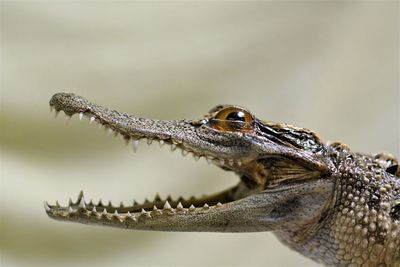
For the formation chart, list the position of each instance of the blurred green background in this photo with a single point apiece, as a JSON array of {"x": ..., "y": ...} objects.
[{"x": 329, "y": 66}]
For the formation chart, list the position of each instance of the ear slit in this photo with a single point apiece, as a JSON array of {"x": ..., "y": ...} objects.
[{"x": 394, "y": 169}]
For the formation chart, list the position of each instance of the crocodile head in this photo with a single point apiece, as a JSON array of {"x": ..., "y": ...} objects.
[{"x": 285, "y": 180}]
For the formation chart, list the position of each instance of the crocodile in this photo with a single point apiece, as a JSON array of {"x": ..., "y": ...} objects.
[{"x": 333, "y": 205}]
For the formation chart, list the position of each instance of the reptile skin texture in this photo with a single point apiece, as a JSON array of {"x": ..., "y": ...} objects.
[{"x": 335, "y": 206}]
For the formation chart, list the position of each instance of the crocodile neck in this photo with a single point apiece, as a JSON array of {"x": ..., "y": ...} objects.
[{"x": 360, "y": 226}]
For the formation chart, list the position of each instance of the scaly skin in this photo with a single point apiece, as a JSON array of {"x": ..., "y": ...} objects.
[{"x": 333, "y": 205}]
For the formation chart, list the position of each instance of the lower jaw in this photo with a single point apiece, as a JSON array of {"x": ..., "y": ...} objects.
[{"x": 217, "y": 199}]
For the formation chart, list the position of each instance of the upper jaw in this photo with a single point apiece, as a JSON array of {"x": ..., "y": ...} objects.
[
  {"x": 192, "y": 137},
  {"x": 235, "y": 151},
  {"x": 228, "y": 149}
]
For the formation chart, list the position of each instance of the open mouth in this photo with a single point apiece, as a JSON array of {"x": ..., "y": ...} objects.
[
  {"x": 230, "y": 137},
  {"x": 110, "y": 121}
]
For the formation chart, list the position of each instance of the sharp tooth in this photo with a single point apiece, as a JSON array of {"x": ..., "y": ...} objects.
[
  {"x": 208, "y": 160},
  {"x": 149, "y": 141},
  {"x": 82, "y": 203},
  {"x": 143, "y": 211},
  {"x": 110, "y": 131},
  {"x": 192, "y": 208},
  {"x": 67, "y": 119},
  {"x": 92, "y": 119},
  {"x": 239, "y": 163},
  {"x": 157, "y": 198},
  {"x": 70, "y": 202},
  {"x": 121, "y": 205},
  {"x": 219, "y": 204},
  {"x": 135, "y": 145},
  {"x": 128, "y": 214},
  {"x": 115, "y": 213},
  {"x": 179, "y": 206},
  {"x": 222, "y": 162},
  {"x": 173, "y": 147},
  {"x": 46, "y": 206},
  {"x": 51, "y": 108},
  {"x": 206, "y": 207},
  {"x": 184, "y": 152},
  {"x": 80, "y": 196},
  {"x": 70, "y": 210},
  {"x": 231, "y": 162},
  {"x": 155, "y": 207},
  {"x": 127, "y": 139},
  {"x": 94, "y": 209},
  {"x": 58, "y": 204},
  {"x": 161, "y": 142},
  {"x": 175, "y": 142},
  {"x": 167, "y": 205},
  {"x": 56, "y": 113},
  {"x": 105, "y": 211},
  {"x": 196, "y": 157},
  {"x": 80, "y": 116}
]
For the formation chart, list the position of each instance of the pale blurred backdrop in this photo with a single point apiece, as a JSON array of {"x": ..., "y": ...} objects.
[{"x": 332, "y": 67}]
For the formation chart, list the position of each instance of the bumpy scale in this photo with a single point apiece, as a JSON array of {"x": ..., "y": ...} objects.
[{"x": 333, "y": 205}]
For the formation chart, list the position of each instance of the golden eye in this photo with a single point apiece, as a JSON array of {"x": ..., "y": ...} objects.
[
  {"x": 234, "y": 114},
  {"x": 232, "y": 119}
]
